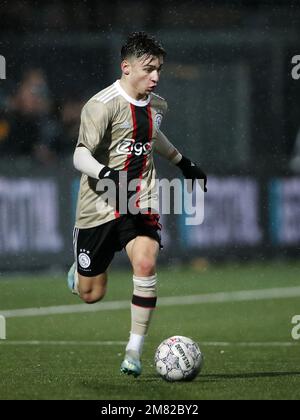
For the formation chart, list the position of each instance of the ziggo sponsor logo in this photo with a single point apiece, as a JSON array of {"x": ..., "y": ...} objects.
[{"x": 130, "y": 147}]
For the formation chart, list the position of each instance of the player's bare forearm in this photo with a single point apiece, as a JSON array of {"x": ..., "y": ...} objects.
[
  {"x": 166, "y": 149},
  {"x": 189, "y": 169}
]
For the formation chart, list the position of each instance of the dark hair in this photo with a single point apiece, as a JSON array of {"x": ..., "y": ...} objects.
[{"x": 139, "y": 44}]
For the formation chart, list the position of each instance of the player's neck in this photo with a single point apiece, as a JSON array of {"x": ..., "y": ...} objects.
[{"x": 131, "y": 91}]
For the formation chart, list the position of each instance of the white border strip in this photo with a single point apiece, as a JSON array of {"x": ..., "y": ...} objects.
[
  {"x": 64, "y": 343},
  {"x": 239, "y": 296},
  {"x": 123, "y": 343}
]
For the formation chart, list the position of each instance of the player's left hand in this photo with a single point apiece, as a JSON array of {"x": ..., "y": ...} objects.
[{"x": 192, "y": 171}]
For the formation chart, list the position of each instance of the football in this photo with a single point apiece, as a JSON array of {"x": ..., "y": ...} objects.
[{"x": 178, "y": 358}]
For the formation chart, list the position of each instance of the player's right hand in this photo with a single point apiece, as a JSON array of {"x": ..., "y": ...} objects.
[
  {"x": 112, "y": 175},
  {"x": 109, "y": 173}
]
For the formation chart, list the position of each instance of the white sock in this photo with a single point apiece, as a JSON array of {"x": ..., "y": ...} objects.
[{"x": 136, "y": 343}]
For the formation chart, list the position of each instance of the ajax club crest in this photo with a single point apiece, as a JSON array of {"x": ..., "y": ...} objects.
[
  {"x": 84, "y": 259},
  {"x": 157, "y": 121}
]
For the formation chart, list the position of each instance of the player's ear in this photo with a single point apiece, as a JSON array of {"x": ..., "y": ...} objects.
[{"x": 125, "y": 66}]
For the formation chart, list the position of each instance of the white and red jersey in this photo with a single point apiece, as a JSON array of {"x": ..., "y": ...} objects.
[{"x": 120, "y": 132}]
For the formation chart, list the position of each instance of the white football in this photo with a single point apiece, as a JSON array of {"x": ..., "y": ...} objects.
[{"x": 178, "y": 358}]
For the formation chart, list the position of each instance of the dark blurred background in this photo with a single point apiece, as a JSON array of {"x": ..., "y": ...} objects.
[{"x": 233, "y": 107}]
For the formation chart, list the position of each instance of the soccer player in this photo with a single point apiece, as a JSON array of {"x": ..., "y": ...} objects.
[{"x": 119, "y": 132}]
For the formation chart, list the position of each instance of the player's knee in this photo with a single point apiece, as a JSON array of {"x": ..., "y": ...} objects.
[
  {"x": 144, "y": 266},
  {"x": 93, "y": 296}
]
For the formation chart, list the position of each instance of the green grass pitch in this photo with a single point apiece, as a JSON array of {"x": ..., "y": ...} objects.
[{"x": 248, "y": 346}]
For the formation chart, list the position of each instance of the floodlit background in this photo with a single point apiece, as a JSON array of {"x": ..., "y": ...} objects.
[
  {"x": 231, "y": 82},
  {"x": 233, "y": 107}
]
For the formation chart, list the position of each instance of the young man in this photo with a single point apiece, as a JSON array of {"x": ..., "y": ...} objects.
[{"x": 119, "y": 133}]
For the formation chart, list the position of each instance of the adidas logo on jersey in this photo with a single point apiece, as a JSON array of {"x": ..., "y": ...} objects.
[{"x": 125, "y": 125}]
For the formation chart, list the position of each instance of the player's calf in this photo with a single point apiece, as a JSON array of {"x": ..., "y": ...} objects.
[
  {"x": 89, "y": 289},
  {"x": 92, "y": 289},
  {"x": 142, "y": 306},
  {"x": 93, "y": 296}
]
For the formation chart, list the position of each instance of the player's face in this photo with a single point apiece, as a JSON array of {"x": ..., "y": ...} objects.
[{"x": 144, "y": 74}]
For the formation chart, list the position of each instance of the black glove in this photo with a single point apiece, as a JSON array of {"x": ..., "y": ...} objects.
[
  {"x": 113, "y": 175},
  {"x": 108, "y": 173},
  {"x": 120, "y": 180},
  {"x": 191, "y": 171}
]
